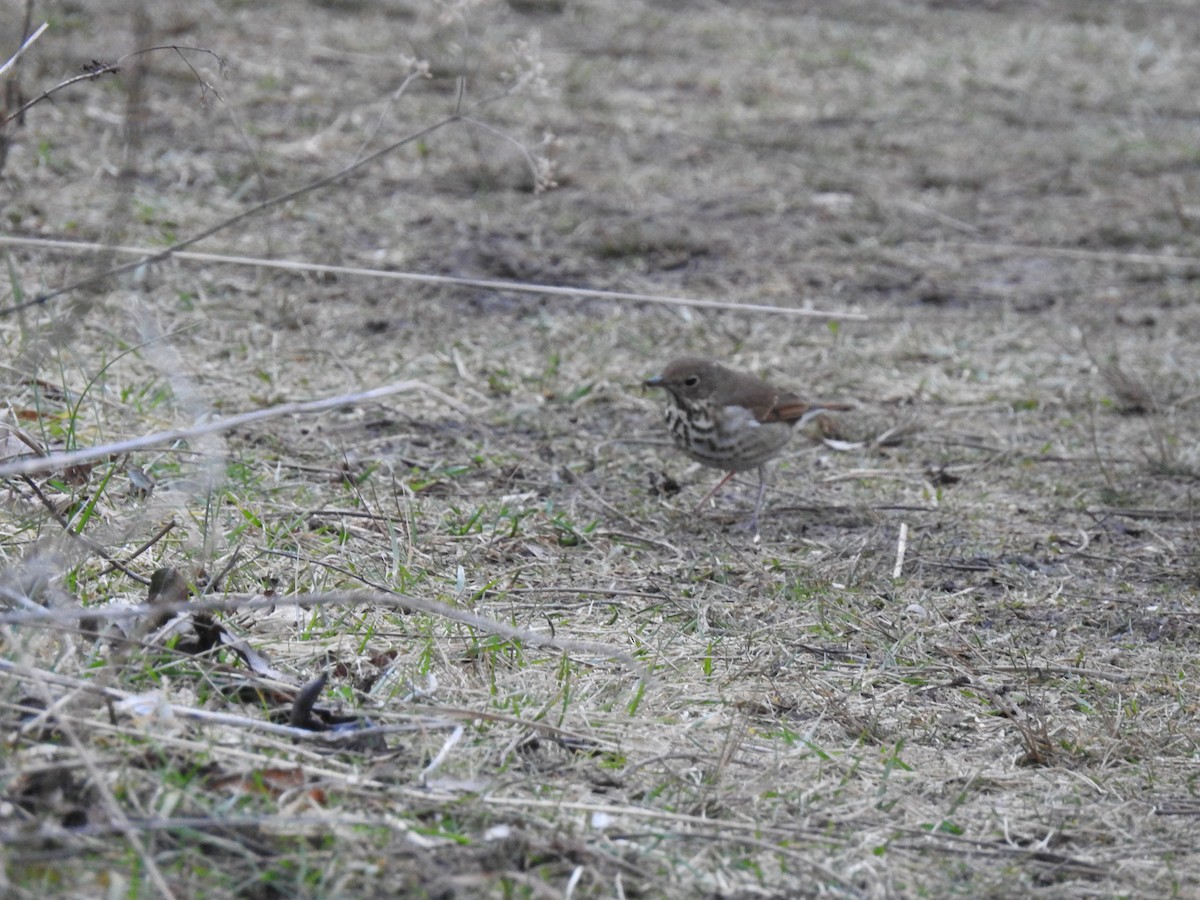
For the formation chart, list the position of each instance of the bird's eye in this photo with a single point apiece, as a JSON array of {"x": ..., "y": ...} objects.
[{"x": 691, "y": 381}]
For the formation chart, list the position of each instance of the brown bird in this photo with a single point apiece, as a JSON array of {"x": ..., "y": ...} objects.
[{"x": 730, "y": 420}]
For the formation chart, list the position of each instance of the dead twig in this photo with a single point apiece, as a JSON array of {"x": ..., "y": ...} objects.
[
  {"x": 494, "y": 284},
  {"x": 60, "y": 460},
  {"x": 12, "y": 61},
  {"x": 243, "y": 603}
]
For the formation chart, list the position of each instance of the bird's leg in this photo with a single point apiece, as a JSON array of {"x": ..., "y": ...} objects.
[
  {"x": 762, "y": 492},
  {"x": 751, "y": 524},
  {"x": 720, "y": 484}
]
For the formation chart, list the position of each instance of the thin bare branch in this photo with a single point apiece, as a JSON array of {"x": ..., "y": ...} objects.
[
  {"x": 61, "y": 460},
  {"x": 12, "y": 60},
  {"x": 421, "y": 278}
]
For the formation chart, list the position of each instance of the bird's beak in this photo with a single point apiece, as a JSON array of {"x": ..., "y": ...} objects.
[{"x": 656, "y": 381}]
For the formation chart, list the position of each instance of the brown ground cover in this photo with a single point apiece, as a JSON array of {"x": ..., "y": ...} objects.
[{"x": 961, "y": 660}]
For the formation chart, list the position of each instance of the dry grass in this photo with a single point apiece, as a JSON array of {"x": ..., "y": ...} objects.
[{"x": 545, "y": 675}]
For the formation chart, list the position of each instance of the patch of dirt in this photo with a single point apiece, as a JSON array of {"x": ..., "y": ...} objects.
[{"x": 960, "y": 659}]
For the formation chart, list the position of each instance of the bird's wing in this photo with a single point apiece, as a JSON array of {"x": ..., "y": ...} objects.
[{"x": 790, "y": 408}]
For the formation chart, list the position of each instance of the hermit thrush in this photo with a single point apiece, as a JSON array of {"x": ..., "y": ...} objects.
[{"x": 730, "y": 420}]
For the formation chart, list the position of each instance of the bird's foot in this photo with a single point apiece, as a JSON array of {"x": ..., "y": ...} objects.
[{"x": 750, "y": 525}]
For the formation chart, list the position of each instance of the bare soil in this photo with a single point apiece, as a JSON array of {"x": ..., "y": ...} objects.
[{"x": 961, "y": 660}]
